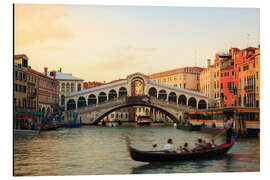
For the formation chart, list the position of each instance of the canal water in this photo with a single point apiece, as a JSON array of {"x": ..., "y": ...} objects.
[{"x": 102, "y": 150}]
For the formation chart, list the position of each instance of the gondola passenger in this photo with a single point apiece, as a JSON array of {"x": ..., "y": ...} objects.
[
  {"x": 186, "y": 148},
  {"x": 200, "y": 145},
  {"x": 169, "y": 147}
]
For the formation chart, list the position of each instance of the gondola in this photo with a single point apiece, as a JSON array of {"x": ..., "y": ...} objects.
[{"x": 165, "y": 156}]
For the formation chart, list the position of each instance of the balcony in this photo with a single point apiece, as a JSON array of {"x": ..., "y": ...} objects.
[
  {"x": 249, "y": 88},
  {"x": 32, "y": 95}
]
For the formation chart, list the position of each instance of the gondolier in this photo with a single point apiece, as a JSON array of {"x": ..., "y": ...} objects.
[{"x": 228, "y": 128}]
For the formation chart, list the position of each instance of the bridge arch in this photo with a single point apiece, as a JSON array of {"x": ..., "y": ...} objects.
[
  {"x": 102, "y": 97},
  {"x": 202, "y": 104},
  {"x": 152, "y": 92},
  {"x": 112, "y": 94},
  {"x": 192, "y": 102},
  {"x": 71, "y": 105},
  {"x": 172, "y": 97},
  {"x": 182, "y": 100},
  {"x": 122, "y": 91},
  {"x": 170, "y": 115},
  {"x": 92, "y": 99},
  {"x": 162, "y": 94},
  {"x": 81, "y": 102}
]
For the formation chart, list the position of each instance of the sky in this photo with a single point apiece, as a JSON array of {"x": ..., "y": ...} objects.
[{"x": 105, "y": 43}]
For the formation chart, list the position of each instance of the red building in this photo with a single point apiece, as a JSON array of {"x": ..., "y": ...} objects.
[
  {"x": 237, "y": 74},
  {"x": 227, "y": 86},
  {"x": 48, "y": 91}
]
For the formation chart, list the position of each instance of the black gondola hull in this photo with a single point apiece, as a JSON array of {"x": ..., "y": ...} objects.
[{"x": 163, "y": 156}]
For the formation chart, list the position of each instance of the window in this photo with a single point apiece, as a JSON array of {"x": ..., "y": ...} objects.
[
  {"x": 257, "y": 76},
  {"x": 184, "y": 85},
  {"x": 221, "y": 86},
  {"x": 116, "y": 116},
  {"x": 232, "y": 73}
]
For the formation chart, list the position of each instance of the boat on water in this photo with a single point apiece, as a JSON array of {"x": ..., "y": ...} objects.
[
  {"x": 25, "y": 131},
  {"x": 144, "y": 120},
  {"x": 165, "y": 156}
]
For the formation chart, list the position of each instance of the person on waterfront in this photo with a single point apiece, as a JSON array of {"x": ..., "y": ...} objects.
[
  {"x": 186, "y": 148},
  {"x": 228, "y": 128},
  {"x": 169, "y": 147}
]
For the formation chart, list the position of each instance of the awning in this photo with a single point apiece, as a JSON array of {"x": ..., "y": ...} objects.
[
  {"x": 29, "y": 113},
  {"x": 55, "y": 107}
]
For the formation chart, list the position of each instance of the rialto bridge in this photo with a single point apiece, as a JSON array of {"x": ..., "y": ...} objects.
[{"x": 137, "y": 90}]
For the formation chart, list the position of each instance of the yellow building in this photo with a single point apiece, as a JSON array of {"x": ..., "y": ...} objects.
[
  {"x": 207, "y": 82},
  {"x": 187, "y": 78},
  {"x": 20, "y": 89}
]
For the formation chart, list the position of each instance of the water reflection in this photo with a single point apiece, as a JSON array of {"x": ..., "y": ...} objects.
[{"x": 96, "y": 150}]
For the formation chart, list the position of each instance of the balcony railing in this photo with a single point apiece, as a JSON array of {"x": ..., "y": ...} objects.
[
  {"x": 32, "y": 95},
  {"x": 249, "y": 88}
]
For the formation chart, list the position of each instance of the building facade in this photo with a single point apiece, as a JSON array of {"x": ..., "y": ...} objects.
[
  {"x": 257, "y": 75},
  {"x": 207, "y": 82},
  {"x": 186, "y": 78},
  {"x": 48, "y": 92},
  {"x": 20, "y": 83},
  {"x": 67, "y": 84}
]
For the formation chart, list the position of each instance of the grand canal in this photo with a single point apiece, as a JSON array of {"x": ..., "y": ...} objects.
[{"x": 102, "y": 150}]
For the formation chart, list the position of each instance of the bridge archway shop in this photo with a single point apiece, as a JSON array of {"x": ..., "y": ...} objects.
[{"x": 171, "y": 116}]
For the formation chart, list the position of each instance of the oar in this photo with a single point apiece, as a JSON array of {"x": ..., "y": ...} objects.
[{"x": 219, "y": 134}]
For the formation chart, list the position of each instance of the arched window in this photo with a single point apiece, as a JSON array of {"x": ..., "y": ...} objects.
[
  {"x": 79, "y": 87},
  {"x": 122, "y": 91},
  {"x": 63, "y": 87},
  {"x": 162, "y": 94},
  {"x": 92, "y": 99},
  {"x": 68, "y": 87},
  {"x": 182, "y": 100},
  {"x": 71, "y": 104},
  {"x": 81, "y": 102},
  {"x": 202, "y": 104},
  {"x": 192, "y": 102},
  {"x": 112, "y": 94},
  {"x": 102, "y": 97},
  {"x": 72, "y": 87},
  {"x": 172, "y": 97},
  {"x": 152, "y": 92}
]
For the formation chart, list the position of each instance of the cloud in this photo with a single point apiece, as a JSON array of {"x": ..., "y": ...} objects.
[
  {"x": 118, "y": 62},
  {"x": 39, "y": 23},
  {"x": 145, "y": 49},
  {"x": 131, "y": 48}
]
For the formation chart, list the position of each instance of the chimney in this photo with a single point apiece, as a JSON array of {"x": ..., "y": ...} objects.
[
  {"x": 208, "y": 63},
  {"x": 60, "y": 70},
  {"x": 54, "y": 75},
  {"x": 45, "y": 71}
]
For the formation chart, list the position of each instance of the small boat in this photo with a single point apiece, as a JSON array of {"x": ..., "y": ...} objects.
[
  {"x": 144, "y": 120},
  {"x": 165, "y": 156},
  {"x": 26, "y": 131}
]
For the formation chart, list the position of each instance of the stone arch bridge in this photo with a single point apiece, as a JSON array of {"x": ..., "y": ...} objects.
[{"x": 136, "y": 90}]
